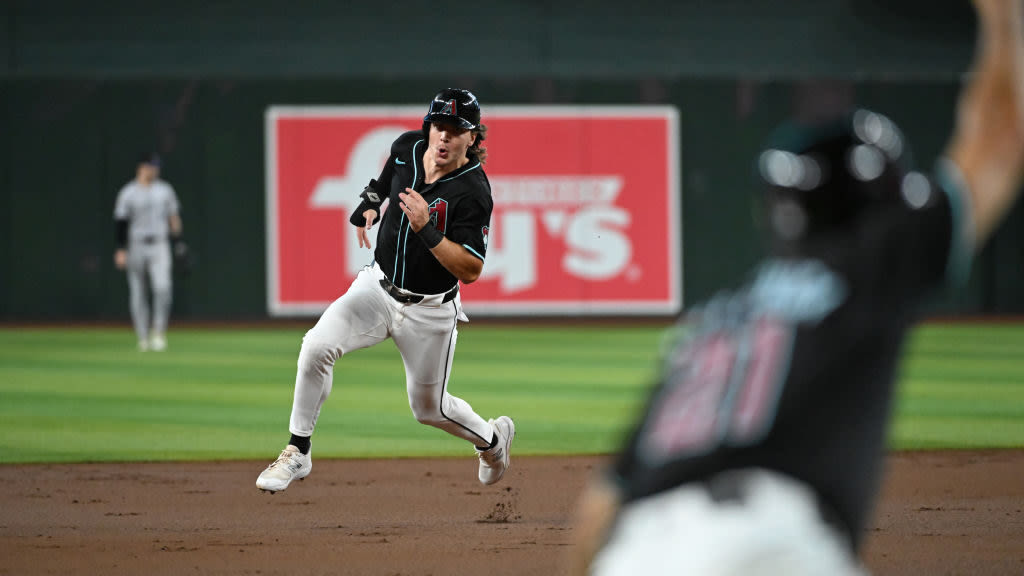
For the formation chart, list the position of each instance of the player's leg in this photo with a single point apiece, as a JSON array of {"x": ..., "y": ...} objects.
[
  {"x": 426, "y": 338},
  {"x": 160, "y": 274},
  {"x": 135, "y": 269},
  {"x": 356, "y": 320}
]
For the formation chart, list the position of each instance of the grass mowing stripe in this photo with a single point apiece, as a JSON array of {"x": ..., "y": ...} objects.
[{"x": 85, "y": 394}]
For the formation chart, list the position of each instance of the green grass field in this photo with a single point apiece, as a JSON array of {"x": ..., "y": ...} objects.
[{"x": 85, "y": 394}]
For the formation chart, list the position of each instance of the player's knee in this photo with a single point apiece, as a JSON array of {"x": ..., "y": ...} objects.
[
  {"x": 317, "y": 356},
  {"x": 426, "y": 414}
]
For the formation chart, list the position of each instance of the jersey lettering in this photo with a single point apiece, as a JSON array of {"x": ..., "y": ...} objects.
[
  {"x": 722, "y": 389},
  {"x": 759, "y": 396},
  {"x": 688, "y": 416}
]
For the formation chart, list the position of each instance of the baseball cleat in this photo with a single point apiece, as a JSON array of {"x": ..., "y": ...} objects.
[
  {"x": 494, "y": 461},
  {"x": 290, "y": 465}
]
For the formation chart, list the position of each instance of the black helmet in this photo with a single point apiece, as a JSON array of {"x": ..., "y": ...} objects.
[
  {"x": 454, "y": 106},
  {"x": 823, "y": 176}
]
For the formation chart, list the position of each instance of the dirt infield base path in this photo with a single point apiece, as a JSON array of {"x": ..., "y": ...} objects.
[{"x": 941, "y": 513}]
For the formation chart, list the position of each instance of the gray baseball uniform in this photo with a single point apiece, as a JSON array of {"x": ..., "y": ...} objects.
[{"x": 148, "y": 209}]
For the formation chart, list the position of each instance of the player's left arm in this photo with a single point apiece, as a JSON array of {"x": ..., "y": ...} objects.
[
  {"x": 179, "y": 249},
  {"x": 176, "y": 226},
  {"x": 174, "y": 213}
]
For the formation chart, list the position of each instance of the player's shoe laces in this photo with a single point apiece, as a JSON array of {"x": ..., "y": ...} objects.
[
  {"x": 290, "y": 465},
  {"x": 494, "y": 461}
]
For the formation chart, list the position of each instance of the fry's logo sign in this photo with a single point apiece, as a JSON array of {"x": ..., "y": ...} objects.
[{"x": 586, "y": 207}]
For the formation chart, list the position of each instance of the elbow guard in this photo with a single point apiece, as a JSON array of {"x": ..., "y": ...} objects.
[{"x": 372, "y": 199}]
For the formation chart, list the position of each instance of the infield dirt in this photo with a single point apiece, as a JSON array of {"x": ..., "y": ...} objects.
[{"x": 940, "y": 513}]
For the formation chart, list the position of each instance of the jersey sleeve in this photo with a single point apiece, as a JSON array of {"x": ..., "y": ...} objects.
[
  {"x": 951, "y": 181},
  {"x": 121, "y": 209},
  {"x": 471, "y": 226},
  {"x": 377, "y": 191}
]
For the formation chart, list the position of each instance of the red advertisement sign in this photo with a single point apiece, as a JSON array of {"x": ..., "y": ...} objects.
[{"x": 586, "y": 207}]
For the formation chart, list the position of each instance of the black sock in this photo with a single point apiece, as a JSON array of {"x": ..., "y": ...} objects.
[
  {"x": 494, "y": 442},
  {"x": 300, "y": 442}
]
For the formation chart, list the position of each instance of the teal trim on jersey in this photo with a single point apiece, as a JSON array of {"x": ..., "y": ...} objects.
[
  {"x": 405, "y": 249},
  {"x": 961, "y": 250},
  {"x": 473, "y": 252},
  {"x": 397, "y": 161},
  {"x": 398, "y": 250},
  {"x": 460, "y": 173},
  {"x": 415, "y": 166},
  {"x": 403, "y": 239}
]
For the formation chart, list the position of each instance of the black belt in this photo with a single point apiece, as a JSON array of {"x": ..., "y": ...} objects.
[
  {"x": 407, "y": 298},
  {"x": 151, "y": 239}
]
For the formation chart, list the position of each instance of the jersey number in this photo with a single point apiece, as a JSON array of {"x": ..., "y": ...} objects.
[{"x": 721, "y": 390}]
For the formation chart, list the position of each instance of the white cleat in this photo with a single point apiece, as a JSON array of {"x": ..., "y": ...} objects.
[
  {"x": 158, "y": 343},
  {"x": 290, "y": 465},
  {"x": 143, "y": 345},
  {"x": 495, "y": 461}
]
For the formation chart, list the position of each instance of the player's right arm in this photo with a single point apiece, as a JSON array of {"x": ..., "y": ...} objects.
[
  {"x": 988, "y": 141},
  {"x": 368, "y": 210},
  {"x": 122, "y": 214},
  {"x": 363, "y": 232}
]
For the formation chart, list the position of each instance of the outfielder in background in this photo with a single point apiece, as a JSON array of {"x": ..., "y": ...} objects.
[
  {"x": 761, "y": 450},
  {"x": 147, "y": 221},
  {"x": 433, "y": 236}
]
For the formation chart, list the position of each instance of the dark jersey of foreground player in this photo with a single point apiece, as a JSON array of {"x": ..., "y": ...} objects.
[
  {"x": 460, "y": 208},
  {"x": 795, "y": 371}
]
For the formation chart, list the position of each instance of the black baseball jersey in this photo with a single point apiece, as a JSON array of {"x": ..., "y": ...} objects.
[
  {"x": 460, "y": 207},
  {"x": 794, "y": 372}
]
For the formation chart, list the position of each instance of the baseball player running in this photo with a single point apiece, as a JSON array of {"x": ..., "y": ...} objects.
[
  {"x": 761, "y": 450},
  {"x": 147, "y": 219},
  {"x": 433, "y": 235}
]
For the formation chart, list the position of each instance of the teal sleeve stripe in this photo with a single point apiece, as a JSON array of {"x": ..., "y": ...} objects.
[
  {"x": 961, "y": 250},
  {"x": 473, "y": 252}
]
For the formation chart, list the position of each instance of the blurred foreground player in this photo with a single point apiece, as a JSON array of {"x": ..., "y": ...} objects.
[{"x": 761, "y": 449}]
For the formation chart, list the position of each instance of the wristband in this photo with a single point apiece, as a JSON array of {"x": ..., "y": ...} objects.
[{"x": 431, "y": 236}]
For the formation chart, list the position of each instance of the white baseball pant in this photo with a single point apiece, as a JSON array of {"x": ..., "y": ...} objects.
[
  {"x": 149, "y": 265},
  {"x": 425, "y": 335},
  {"x": 776, "y": 530}
]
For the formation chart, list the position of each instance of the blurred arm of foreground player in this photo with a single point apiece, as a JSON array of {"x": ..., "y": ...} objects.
[
  {"x": 595, "y": 512},
  {"x": 988, "y": 140}
]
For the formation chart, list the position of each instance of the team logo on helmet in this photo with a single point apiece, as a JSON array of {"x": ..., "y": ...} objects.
[{"x": 449, "y": 108}]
